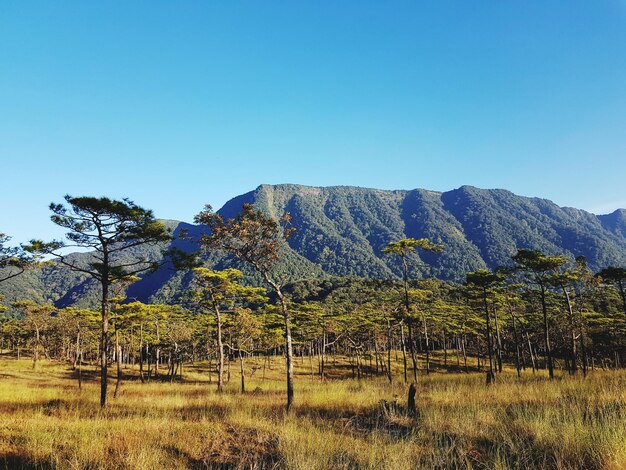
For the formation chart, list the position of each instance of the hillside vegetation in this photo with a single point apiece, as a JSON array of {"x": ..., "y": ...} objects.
[{"x": 343, "y": 230}]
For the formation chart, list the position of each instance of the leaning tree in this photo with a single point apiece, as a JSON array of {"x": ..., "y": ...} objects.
[
  {"x": 260, "y": 241},
  {"x": 111, "y": 230}
]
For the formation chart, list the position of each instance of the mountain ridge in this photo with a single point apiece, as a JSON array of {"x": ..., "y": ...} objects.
[{"x": 342, "y": 230}]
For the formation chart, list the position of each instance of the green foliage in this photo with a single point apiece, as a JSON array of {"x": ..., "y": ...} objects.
[
  {"x": 223, "y": 288},
  {"x": 13, "y": 260},
  {"x": 108, "y": 227},
  {"x": 408, "y": 245},
  {"x": 342, "y": 231}
]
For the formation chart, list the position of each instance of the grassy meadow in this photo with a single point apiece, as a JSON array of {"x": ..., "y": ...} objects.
[{"x": 47, "y": 422}]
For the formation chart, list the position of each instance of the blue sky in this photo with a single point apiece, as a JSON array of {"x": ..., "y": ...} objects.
[{"x": 178, "y": 104}]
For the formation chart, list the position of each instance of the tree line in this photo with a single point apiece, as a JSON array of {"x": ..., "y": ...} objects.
[{"x": 540, "y": 312}]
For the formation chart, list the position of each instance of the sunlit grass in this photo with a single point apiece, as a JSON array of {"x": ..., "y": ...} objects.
[{"x": 46, "y": 422}]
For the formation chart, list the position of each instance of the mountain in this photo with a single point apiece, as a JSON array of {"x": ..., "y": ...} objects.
[
  {"x": 342, "y": 230},
  {"x": 615, "y": 222}
]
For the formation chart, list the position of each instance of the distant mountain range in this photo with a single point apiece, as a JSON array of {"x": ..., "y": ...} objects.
[{"x": 342, "y": 230}]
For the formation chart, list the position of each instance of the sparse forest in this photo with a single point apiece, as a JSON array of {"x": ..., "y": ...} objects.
[
  {"x": 324, "y": 235},
  {"x": 520, "y": 366}
]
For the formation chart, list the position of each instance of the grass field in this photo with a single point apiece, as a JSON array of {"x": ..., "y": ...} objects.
[{"x": 46, "y": 422}]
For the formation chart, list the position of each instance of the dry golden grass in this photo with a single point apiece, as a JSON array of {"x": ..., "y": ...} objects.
[{"x": 46, "y": 422}]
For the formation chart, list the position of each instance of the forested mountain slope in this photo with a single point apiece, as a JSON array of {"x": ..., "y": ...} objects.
[{"x": 342, "y": 231}]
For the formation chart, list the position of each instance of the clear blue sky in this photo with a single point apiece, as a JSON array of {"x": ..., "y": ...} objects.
[{"x": 178, "y": 104}]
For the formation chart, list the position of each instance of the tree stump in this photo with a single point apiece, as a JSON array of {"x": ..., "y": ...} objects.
[
  {"x": 411, "y": 402},
  {"x": 490, "y": 378}
]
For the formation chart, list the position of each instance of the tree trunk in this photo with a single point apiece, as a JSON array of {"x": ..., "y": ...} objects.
[
  {"x": 498, "y": 339},
  {"x": 149, "y": 361},
  {"x": 570, "y": 311},
  {"x": 141, "y": 353},
  {"x": 403, "y": 352},
  {"x": 78, "y": 361},
  {"x": 210, "y": 358},
  {"x": 242, "y": 371},
  {"x": 311, "y": 359},
  {"x": 220, "y": 347},
  {"x": 389, "y": 375},
  {"x": 228, "y": 366},
  {"x": 36, "y": 349},
  {"x": 80, "y": 370},
  {"x": 490, "y": 374},
  {"x": 412, "y": 350},
  {"x": 409, "y": 321},
  {"x": 323, "y": 362},
  {"x": 75, "y": 364},
  {"x": 518, "y": 363},
  {"x": 104, "y": 338},
  {"x": 583, "y": 349},
  {"x": 426, "y": 343},
  {"x": 288, "y": 347},
  {"x": 157, "y": 353},
  {"x": 445, "y": 350},
  {"x": 118, "y": 357},
  {"x": 463, "y": 340},
  {"x": 546, "y": 332},
  {"x": 530, "y": 351}
]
